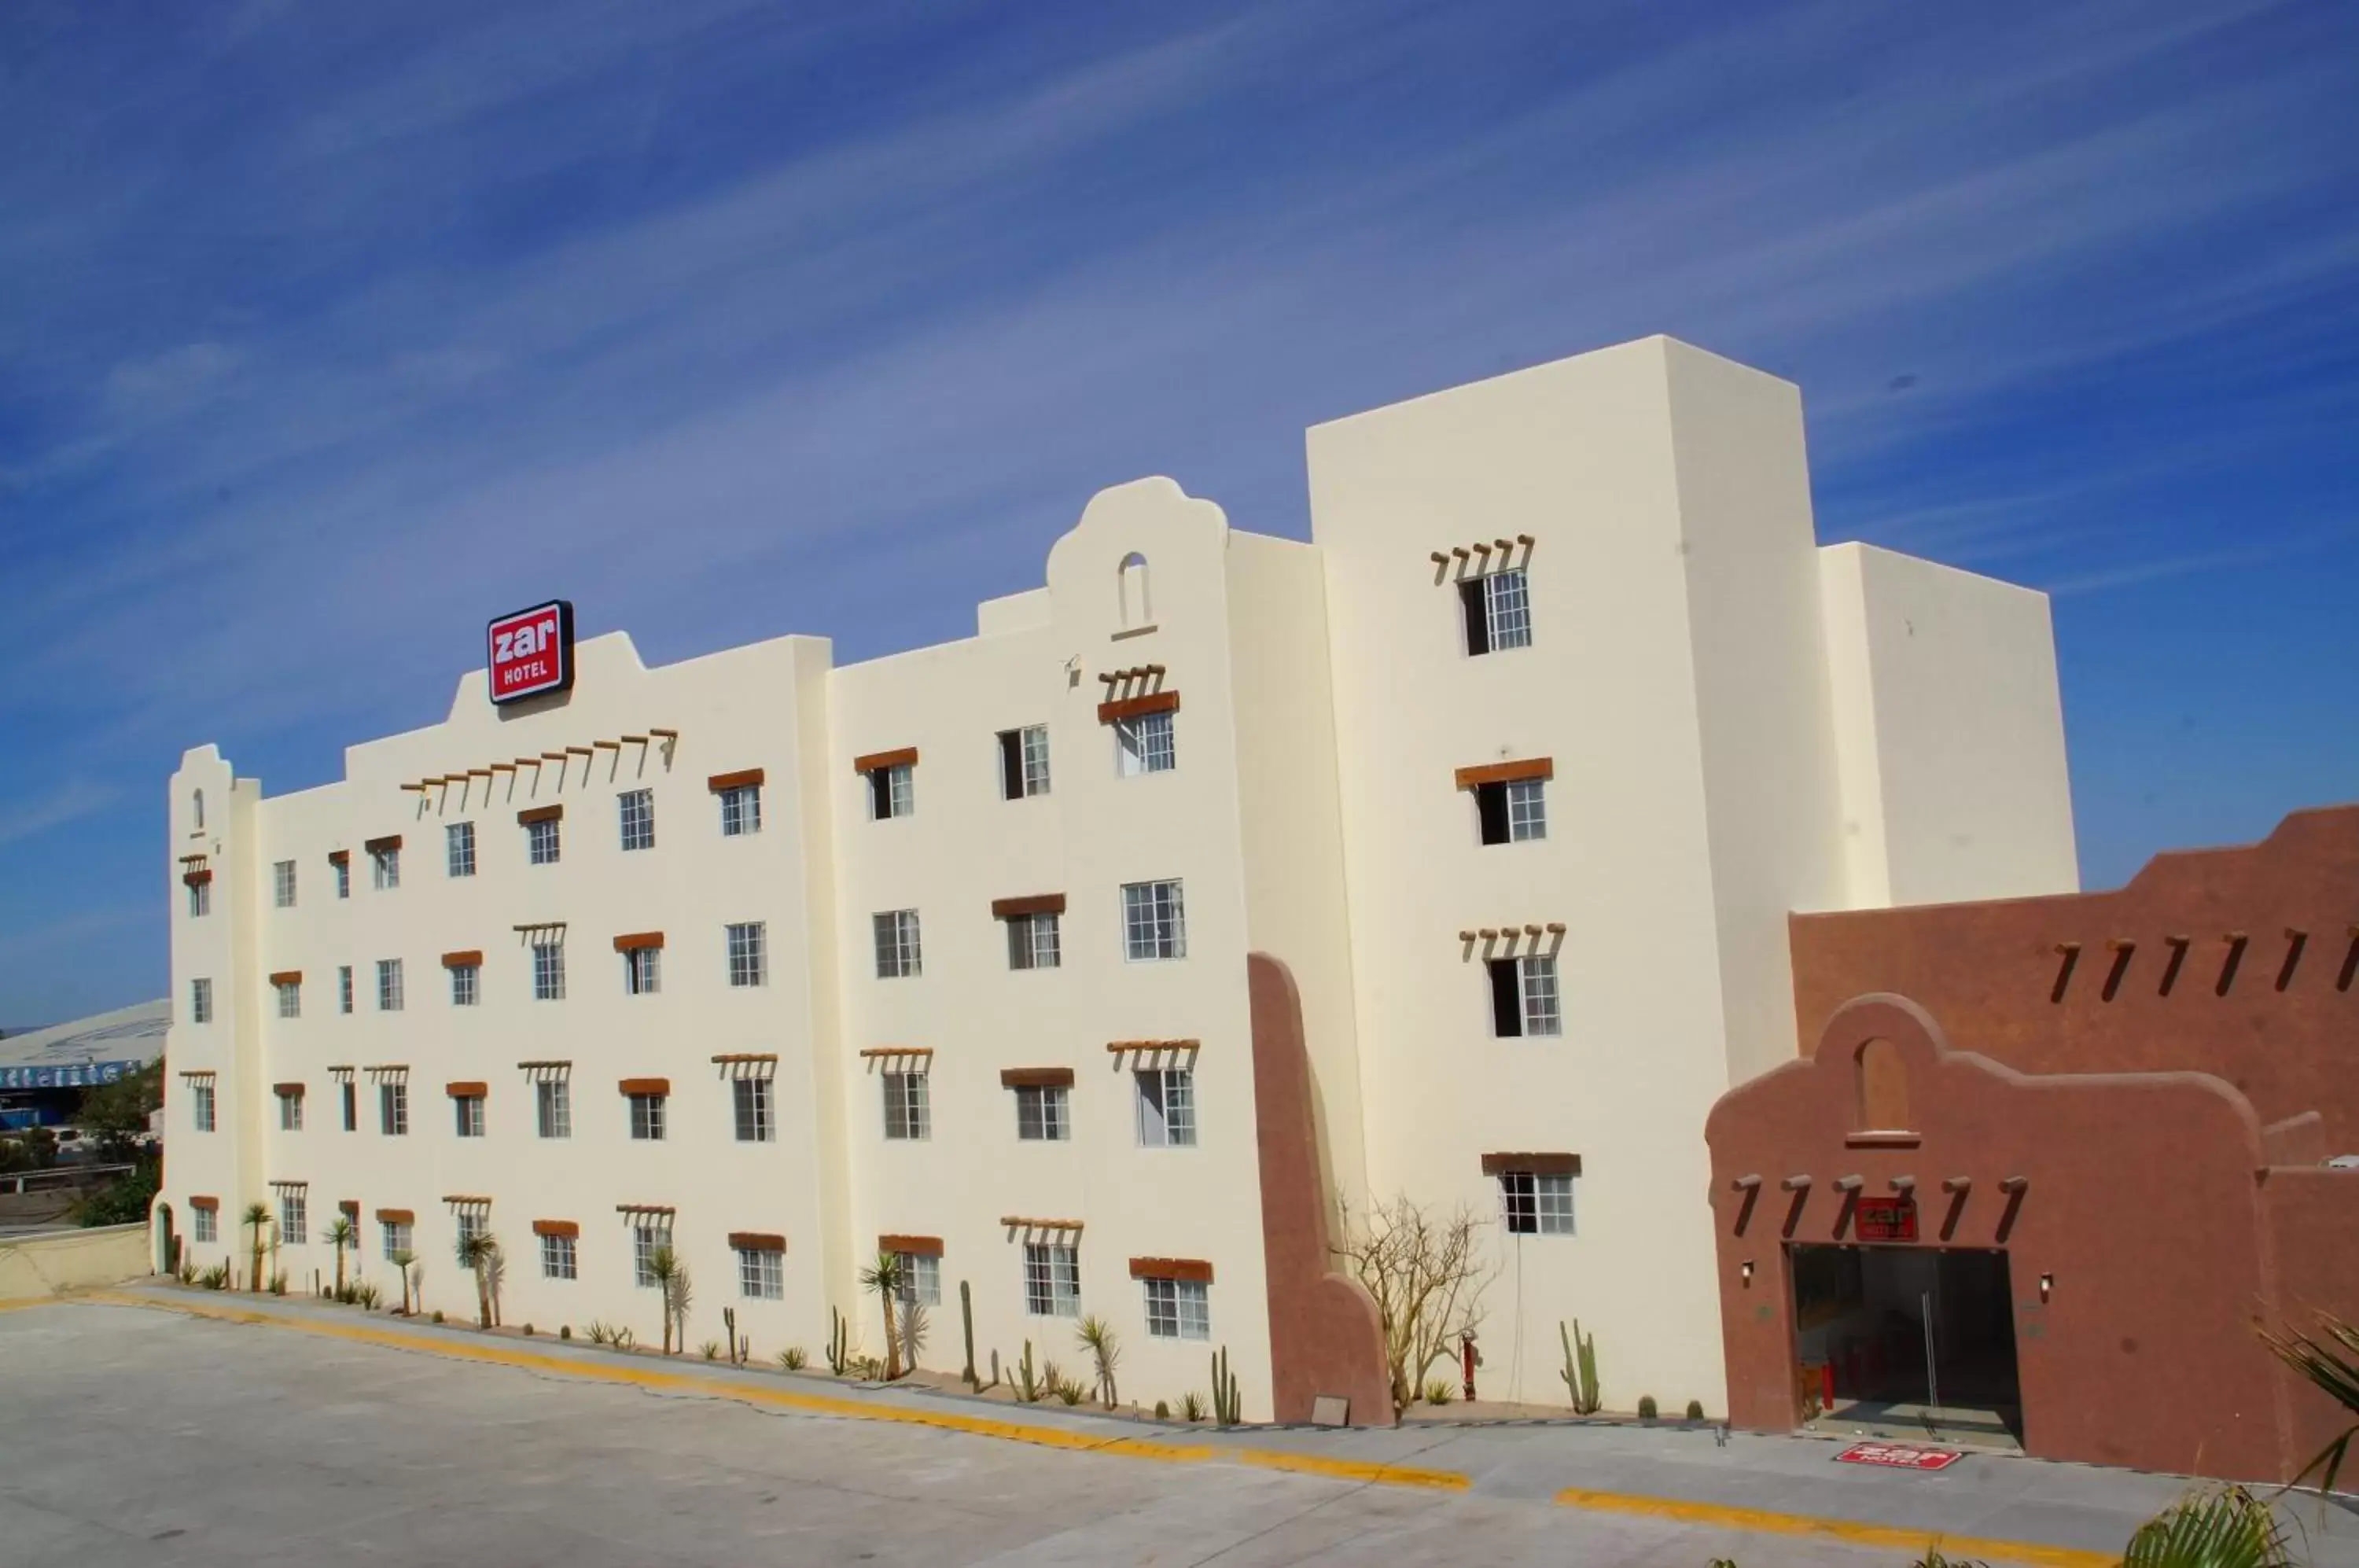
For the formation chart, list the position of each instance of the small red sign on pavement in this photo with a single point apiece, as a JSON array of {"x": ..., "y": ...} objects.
[
  {"x": 531, "y": 651},
  {"x": 1898, "y": 1457}
]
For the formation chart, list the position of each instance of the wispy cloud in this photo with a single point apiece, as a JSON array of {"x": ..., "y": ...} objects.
[{"x": 66, "y": 804}]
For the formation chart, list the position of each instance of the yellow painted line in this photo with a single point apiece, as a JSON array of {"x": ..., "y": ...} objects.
[
  {"x": 19, "y": 1303},
  {"x": 649, "y": 1377},
  {"x": 1851, "y": 1532}
]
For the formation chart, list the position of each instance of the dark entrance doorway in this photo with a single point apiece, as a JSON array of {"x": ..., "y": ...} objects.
[{"x": 1913, "y": 1338}]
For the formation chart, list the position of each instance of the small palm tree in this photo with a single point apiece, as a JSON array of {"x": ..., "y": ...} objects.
[
  {"x": 257, "y": 1220},
  {"x": 888, "y": 1280},
  {"x": 2331, "y": 1361},
  {"x": 402, "y": 1258},
  {"x": 676, "y": 1293},
  {"x": 1097, "y": 1337},
  {"x": 341, "y": 1235},
  {"x": 2229, "y": 1528},
  {"x": 477, "y": 1250}
]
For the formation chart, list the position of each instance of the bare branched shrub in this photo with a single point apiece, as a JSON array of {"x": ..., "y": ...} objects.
[{"x": 1427, "y": 1278}]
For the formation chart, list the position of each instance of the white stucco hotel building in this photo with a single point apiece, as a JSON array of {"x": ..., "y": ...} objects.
[{"x": 1097, "y": 959}]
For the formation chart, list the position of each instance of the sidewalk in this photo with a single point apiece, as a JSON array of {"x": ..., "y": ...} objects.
[{"x": 1999, "y": 1507}]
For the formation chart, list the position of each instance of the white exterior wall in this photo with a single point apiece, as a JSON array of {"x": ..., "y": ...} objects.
[{"x": 1734, "y": 737}]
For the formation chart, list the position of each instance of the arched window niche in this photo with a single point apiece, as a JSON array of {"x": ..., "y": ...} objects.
[
  {"x": 1137, "y": 608},
  {"x": 1881, "y": 1080}
]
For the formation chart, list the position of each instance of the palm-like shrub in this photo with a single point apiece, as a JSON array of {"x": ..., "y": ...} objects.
[
  {"x": 478, "y": 1251},
  {"x": 2330, "y": 1360},
  {"x": 887, "y": 1279},
  {"x": 2229, "y": 1528},
  {"x": 257, "y": 1220},
  {"x": 404, "y": 1259},
  {"x": 342, "y": 1235},
  {"x": 676, "y": 1292},
  {"x": 1097, "y": 1337}
]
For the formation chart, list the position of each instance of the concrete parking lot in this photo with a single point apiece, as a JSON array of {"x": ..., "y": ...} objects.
[{"x": 146, "y": 1436}]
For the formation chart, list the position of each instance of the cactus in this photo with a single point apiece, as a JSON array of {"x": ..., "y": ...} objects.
[
  {"x": 1224, "y": 1389},
  {"x": 1580, "y": 1372},
  {"x": 729, "y": 1327},
  {"x": 1027, "y": 1388},
  {"x": 839, "y": 1343},
  {"x": 994, "y": 1375},
  {"x": 966, "y": 1318}
]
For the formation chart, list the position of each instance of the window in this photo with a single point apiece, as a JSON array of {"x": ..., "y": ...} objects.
[
  {"x": 466, "y": 984},
  {"x": 639, "y": 808},
  {"x": 643, "y": 971},
  {"x": 459, "y": 846},
  {"x": 197, "y": 804},
  {"x": 755, "y": 1122},
  {"x": 282, "y": 884},
  {"x": 1166, "y": 1107},
  {"x": 647, "y": 1240},
  {"x": 345, "y": 988},
  {"x": 898, "y": 953},
  {"x": 741, "y": 811},
  {"x": 471, "y": 1226},
  {"x": 398, "y": 1237},
  {"x": 1498, "y": 611},
  {"x": 201, "y": 899},
  {"x": 467, "y": 1110},
  {"x": 1052, "y": 1279},
  {"x": 553, "y": 1102},
  {"x": 290, "y": 997},
  {"x": 921, "y": 1279},
  {"x": 200, "y": 1106},
  {"x": 385, "y": 868},
  {"x": 1154, "y": 920},
  {"x": 1132, "y": 580},
  {"x": 559, "y": 1259},
  {"x": 351, "y": 1098},
  {"x": 549, "y": 972},
  {"x": 1512, "y": 813},
  {"x": 1177, "y": 1309},
  {"x": 749, "y": 957},
  {"x": 1535, "y": 1204},
  {"x": 343, "y": 869},
  {"x": 388, "y": 985},
  {"x": 892, "y": 791},
  {"x": 907, "y": 1112},
  {"x": 761, "y": 1274},
  {"x": 1524, "y": 997},
  {"x": 1043, "y": 1113},
  {"x": 1144, "y": 745},
  {"x": 393, "y": 1109},
  {"x": 290, "y": 1112},
  {"x": 1024, "y": 762},
  {"x": 292, "y": 1216},
  {"x": 647, "y": 1118},
  {"x": 203, "y": 1225},
  {"x": 540, "y": 841},
  {"x": 1032, "y": 941},
  {"x": 201, "y": 1001}
]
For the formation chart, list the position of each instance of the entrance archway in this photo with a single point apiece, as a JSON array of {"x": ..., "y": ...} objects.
[{"x": 168, "y": 1244}]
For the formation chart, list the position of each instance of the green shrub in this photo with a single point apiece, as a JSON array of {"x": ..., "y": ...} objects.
[
  {"x": 1162, "y": 1410},
  {"x": 1192, "y": 1406},
  {"x": 1646, "y": 1410},
  {"x": 123, "y": 1201},
  {"x": 527, "y": 1330},
  {"x": 1695, "y": 1410},
  {"x": 793, "y": 1358},
  {"x": 1440, "y": 1392},
  {"x": 710, "y": 1350},
  {"x": 565, "y": 1331},
  {"x": 438, "y": 1314}
]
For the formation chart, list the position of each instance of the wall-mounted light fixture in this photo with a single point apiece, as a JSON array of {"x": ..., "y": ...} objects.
[
  {"x": 1746, "y": 1268},
  {"x": 2047, "y": 1284}
]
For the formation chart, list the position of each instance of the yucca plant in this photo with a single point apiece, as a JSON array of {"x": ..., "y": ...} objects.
[
  {"x": 342, "y": 1235},
  {"x": 257, "y": 1220},
  {"x": 2229, "y": 1528},
  {"x": 678, "y": 1293},
  {"x": 477, "y": 1252},
  {"x": 1097, "y": 1337},
  {"x": 404, "y": 1260},
  {"x": 886, "y": 1277},
  {"x": 2332, "y": 1362}
]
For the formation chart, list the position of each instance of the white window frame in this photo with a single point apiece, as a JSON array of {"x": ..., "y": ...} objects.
[
  {"x": 1154, "y": 921},
  {"x": 204, "y": 1224},
  {"x": 752, "y": 1115},
  {"x": 290, "y": 997},
  {"x": 1177, "y": 1309},
  {"x": 459, "y": 849},
  {"x": 344, "y": 987},
  {"x": 900, "y": 947},
  {"x": 1035, "y": 941},
  {"x": 921, "y": 1279},
  {"x": 290, "y": 1112},
  {"x": 636, "y": 817},
  {"x": 282, "y": 884},
  {"x": 1537, "y": 1203},
  {"x": 466, "y": 984},
  {"x": 741, "y": 811},
  {"x": 397, "y": 1236},
  {"x": 294, "y": 1216},
  {"x": 1044, "y": 1112},
  {"x": 467, "y": 1114},
  {"x": 647, "y": 1238},
  {"x": 389, "y": 986},
  {"x": 201, "y": 1001},
  {"x": 544, "y": 842},
  {"x": 909, "y": 1106},
  {"x": 1166, "y": 1100},
  {"x": 343, "y": 870},
  {"x": 891, "y": 793},
  {"x": 1527, "y": 809},
  {"x": 1537, "y": 989},
  {"x": 647, "y": 1118},
  {"x": 203, "y": 1112},
  {"x": 1508, "y": 609},
  {"x": 642, "y": 971},
  {"x": 552, "y": 1107},
  {"x": 471, "y": 1223},
  {"x": 761, "y": 1274},
  {"x": 385, "y": 869},
  {"x": 1052, "y": 1279},
  {"x": 1145, "y": 744},
  {"x": 561, "y": 1257},
  {"x": 549, "y": 972},
  {"x": 201, "y": 899},
  {"x": 748, "y": 944},
  {"x": 392, "y": 1108}
]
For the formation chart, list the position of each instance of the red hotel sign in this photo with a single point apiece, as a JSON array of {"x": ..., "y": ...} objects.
[
  {"x": 531, "y": 651},
  {"x": 1898, "y": 1457},
  {"x": 1886, "y": 1219}
]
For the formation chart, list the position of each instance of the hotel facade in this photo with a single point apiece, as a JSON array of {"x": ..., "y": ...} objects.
[{"x": 1113, "y": 959}]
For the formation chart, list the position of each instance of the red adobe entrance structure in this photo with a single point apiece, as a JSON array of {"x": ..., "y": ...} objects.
[{"x": 2054, "y": 1158}]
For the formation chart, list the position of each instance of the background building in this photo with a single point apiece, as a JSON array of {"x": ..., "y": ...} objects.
[{"x": 1221, "y": 883}]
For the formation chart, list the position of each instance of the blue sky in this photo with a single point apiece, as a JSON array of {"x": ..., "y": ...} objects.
[{"x": 830, "y": 318}]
